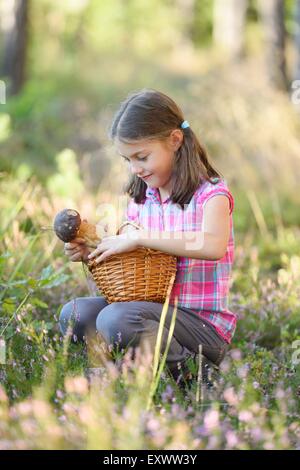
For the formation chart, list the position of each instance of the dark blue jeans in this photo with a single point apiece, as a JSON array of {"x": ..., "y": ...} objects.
[{"x": 128, "y": 323}]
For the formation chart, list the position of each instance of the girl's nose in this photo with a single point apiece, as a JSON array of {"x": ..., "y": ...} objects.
[{"x": 136, "y": 170}]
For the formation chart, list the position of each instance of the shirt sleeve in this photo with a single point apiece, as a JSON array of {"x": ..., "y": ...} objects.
[{"x": 216, "y": 190}]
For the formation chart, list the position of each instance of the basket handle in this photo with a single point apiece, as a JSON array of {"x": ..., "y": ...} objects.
[{"x": 128, "y": 222}]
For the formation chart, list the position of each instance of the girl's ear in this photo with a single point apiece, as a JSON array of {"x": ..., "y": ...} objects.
[{"x": 176, "y": 139}]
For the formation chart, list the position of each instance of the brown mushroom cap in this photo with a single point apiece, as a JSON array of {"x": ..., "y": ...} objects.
[{"x": 66, "y": 224}]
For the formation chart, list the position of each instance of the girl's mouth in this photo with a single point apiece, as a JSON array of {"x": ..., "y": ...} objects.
[{"x": 146, "y": 177}]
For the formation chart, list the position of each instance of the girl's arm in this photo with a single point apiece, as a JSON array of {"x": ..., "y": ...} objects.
[{"x": 210, "y": 244}]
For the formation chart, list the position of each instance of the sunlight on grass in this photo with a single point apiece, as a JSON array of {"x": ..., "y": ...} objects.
[{"x": 252, "y": 135}]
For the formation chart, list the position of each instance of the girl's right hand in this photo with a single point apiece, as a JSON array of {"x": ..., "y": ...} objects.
[{"x": 77, "y": 250}]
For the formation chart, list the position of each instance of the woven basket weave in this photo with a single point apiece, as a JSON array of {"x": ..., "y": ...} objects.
[{"x": 142, "y": 274}]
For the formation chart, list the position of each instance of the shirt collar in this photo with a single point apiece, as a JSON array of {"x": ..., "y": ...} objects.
[{"x": 154, "y": 194}]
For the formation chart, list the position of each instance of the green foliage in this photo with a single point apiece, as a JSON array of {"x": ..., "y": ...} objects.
[
  {"x": 4, "y": 127},
  {"x": 66, "y": 181},
  {"x": 202, "y": 26},
  {"x": 97, "y": 52},
  {"x": 44, "y": 374}
]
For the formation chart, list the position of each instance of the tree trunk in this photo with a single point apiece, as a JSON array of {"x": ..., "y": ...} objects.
[
  {"x": 297, "y": 40},
  {"x": 229, "y": 26},
  {"x": 272, "y": 15},
  {"x": 16, "y": 39},
  {"x": 187, "y": 9}
]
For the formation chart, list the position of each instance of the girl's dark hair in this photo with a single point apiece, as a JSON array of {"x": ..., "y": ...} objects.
[{"x": 152, "y": 115}]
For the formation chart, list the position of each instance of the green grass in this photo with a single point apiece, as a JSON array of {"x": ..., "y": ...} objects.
[
  {"x": 44, "y": 389},
  {"x": 45, "y": 399}
]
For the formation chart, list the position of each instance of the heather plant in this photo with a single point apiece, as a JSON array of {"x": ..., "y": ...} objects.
[{"x": 47, "y": 402}]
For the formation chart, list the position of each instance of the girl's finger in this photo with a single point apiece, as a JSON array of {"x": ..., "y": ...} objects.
[
  {"x": 95, "y": 252},
  {"x": 75, "y": 257},
  {"x": 104, "y": 256},
  {"x": 72, "y": 250},
  {"x": 69, "y": 246},
  {"x": 79, "y": 240},
  {"x": 75, "y": 251},
  {"x": 74, "y": 243}
]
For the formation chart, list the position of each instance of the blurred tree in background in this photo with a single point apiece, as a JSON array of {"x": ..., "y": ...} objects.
[
  {"x": 15, "y": 24},
  {"x": 272, "y": 14},
  {"x": 229, "y": 26},
  {"x": 60, "y": 35},
  {"x": 297, "y": 40},
  {"x": 233, "y": 66},
  {"x": 228, "y": 63}
]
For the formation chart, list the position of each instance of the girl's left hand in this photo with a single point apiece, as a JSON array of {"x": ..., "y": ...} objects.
[{"x": 115, "y": 244}]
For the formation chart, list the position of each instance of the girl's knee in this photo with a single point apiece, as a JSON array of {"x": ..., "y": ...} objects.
[
  {"x": 74, "y": 315},
  {"x": 67, "y": 316},
  {"x": 111, "y": 324},
  {"x": 81, "y": 314}
]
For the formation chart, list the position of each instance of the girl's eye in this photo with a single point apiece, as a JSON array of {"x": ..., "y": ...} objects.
[{"x": 139, "y": 159}]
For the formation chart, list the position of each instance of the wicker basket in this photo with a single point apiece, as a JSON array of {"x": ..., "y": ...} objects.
[{"x": 142, "y": 274}]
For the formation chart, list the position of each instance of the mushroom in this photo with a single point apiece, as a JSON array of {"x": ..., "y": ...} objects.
[{"x": 68, "y": 225}]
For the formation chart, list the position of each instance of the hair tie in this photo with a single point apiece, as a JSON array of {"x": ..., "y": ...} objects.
[{"x": 185, "y": 124}]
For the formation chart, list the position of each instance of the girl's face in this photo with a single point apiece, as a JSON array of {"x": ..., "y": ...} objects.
[{"x": 152, "y": 160}]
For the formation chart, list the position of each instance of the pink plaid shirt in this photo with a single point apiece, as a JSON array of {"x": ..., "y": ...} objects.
[{"x": 201, "y": 285}]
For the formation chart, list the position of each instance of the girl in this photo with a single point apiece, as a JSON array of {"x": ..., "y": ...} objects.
[{"x": 184, "y": 208}]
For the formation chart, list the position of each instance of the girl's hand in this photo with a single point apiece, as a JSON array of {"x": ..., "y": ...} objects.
[
  {"x": 77, "y": 250},
  {"x": 115, "y": 244}
]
